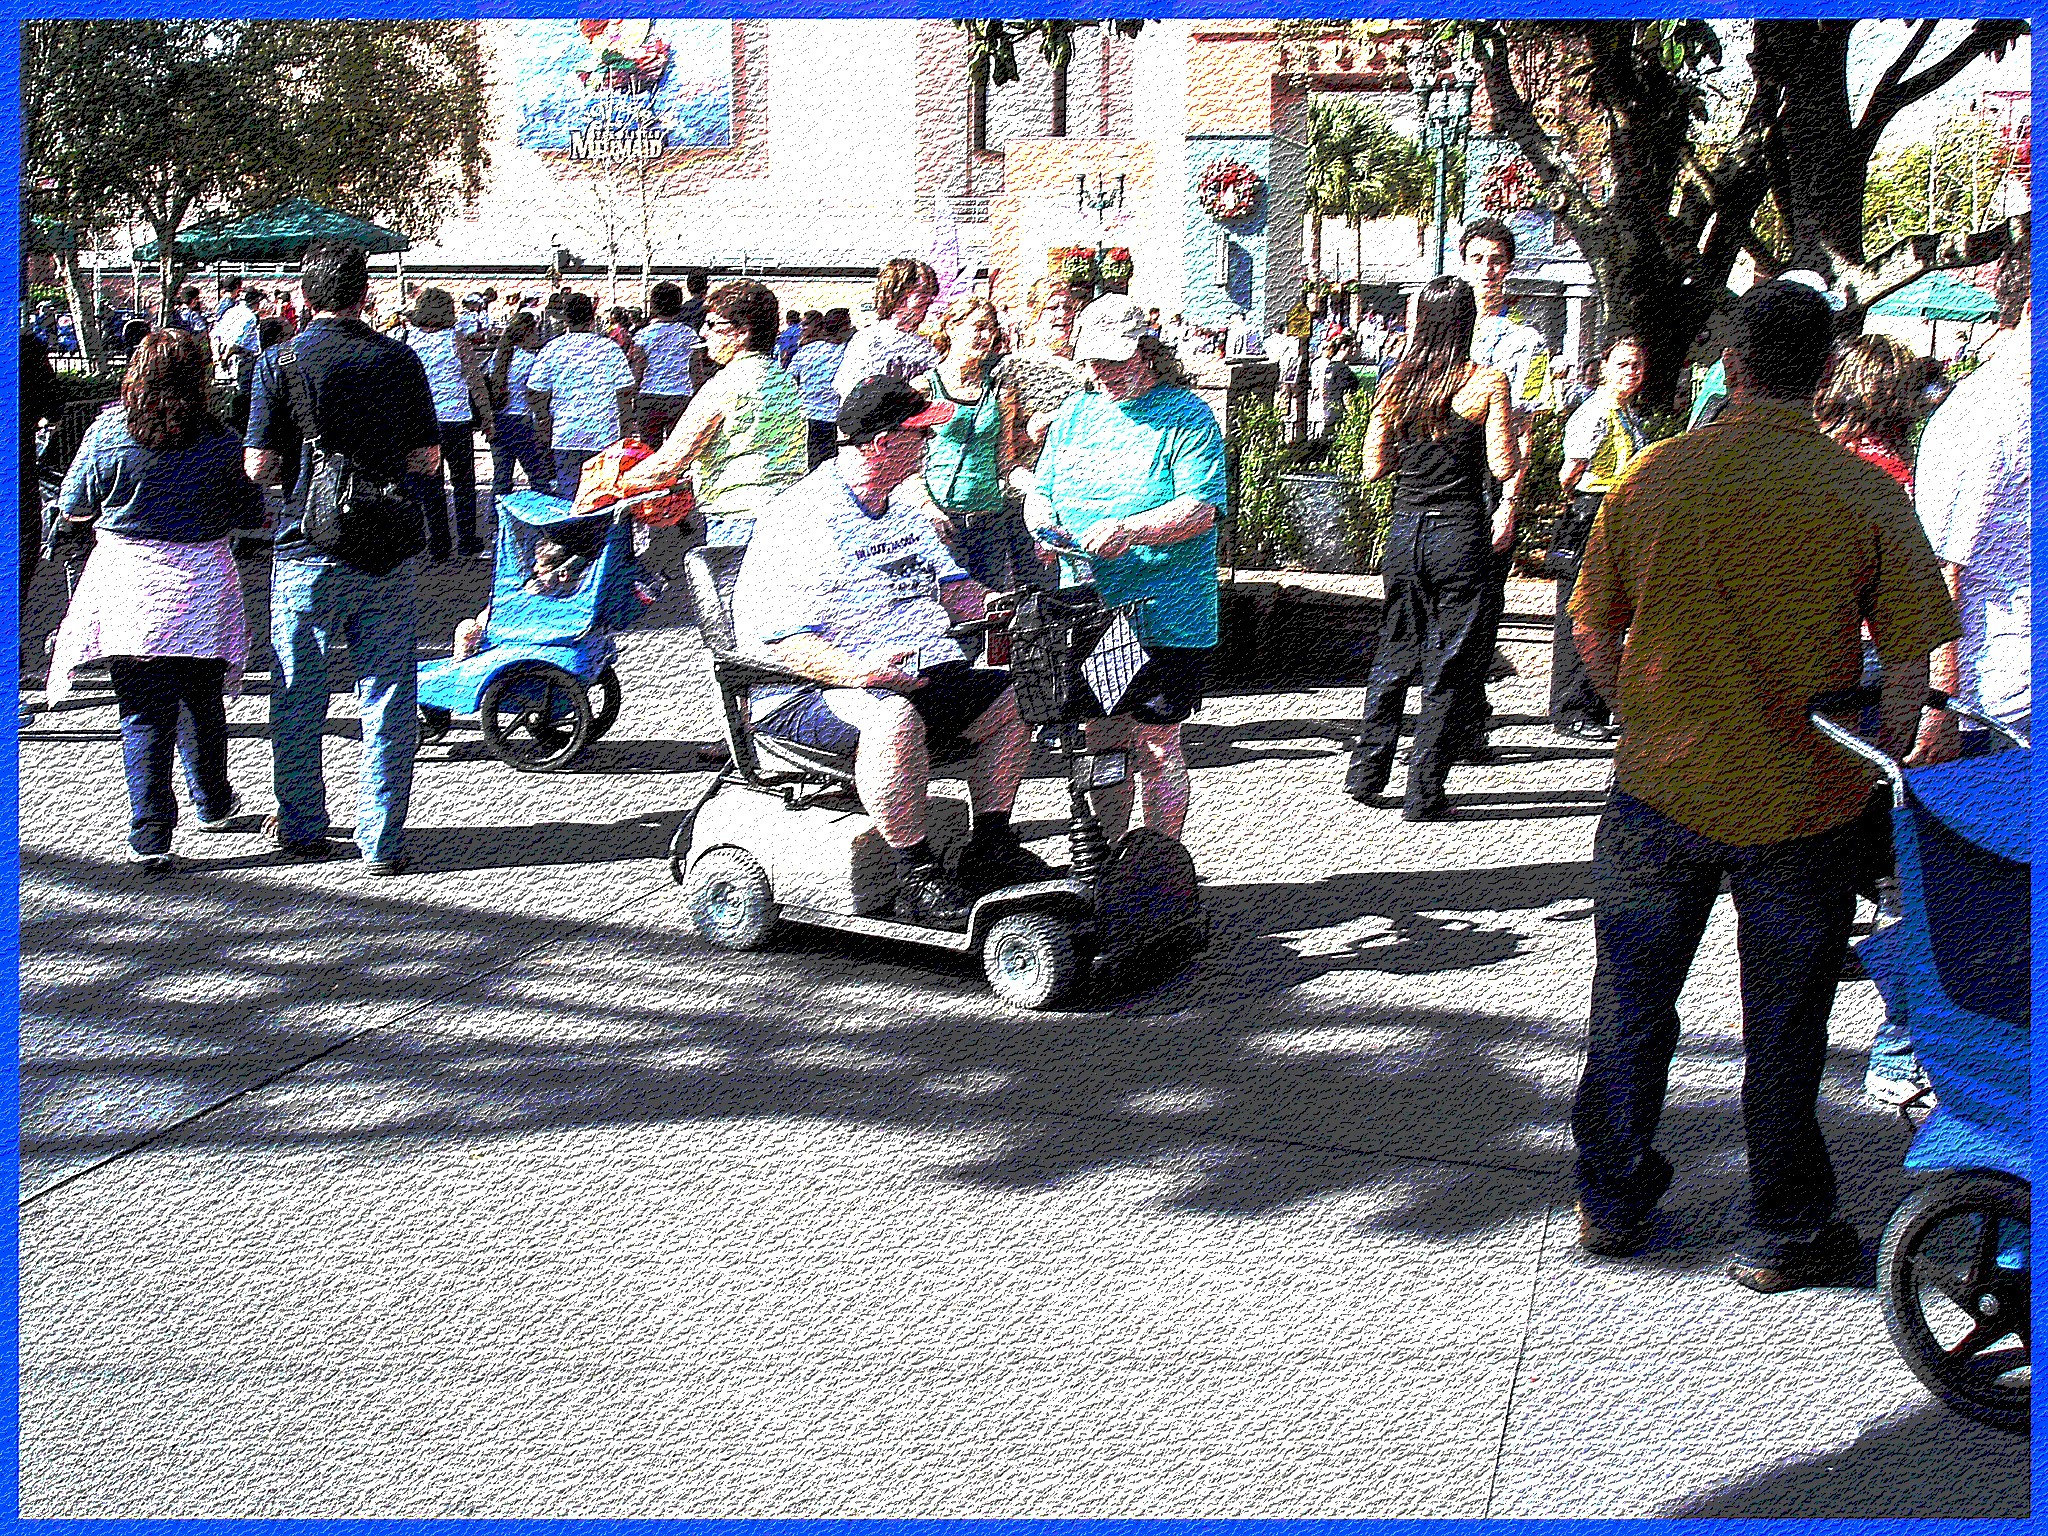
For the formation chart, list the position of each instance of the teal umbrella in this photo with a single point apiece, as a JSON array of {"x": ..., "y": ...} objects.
[
  {"x": 194, "y": 243},
  {"x": 1938, "y": 296},
  {"x": 283, "y": 233}
]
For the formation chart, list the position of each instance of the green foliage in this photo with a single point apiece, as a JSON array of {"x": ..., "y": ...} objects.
[
  {"x": 158, "y": 118},
  {"x": 48, "y": 293},
  {"x": 1261, "y": 533},
  {"x": 1371, "y": 502},
  {"x": 1968, "y": 162},
  {"x": 1360, "y": 168}
]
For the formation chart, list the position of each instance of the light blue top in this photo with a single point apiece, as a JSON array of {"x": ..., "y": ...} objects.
[{"x": 1107, "y": 459}]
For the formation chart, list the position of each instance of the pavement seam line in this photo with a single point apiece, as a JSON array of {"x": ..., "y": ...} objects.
[
  {"x": 150, "y": 1138},
  {"x": 1507, "y": 1417}
]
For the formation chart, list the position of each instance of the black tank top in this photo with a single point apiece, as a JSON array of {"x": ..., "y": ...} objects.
[{"x": 1437, "y": 477}]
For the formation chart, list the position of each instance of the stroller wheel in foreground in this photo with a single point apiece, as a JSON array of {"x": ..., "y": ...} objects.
[
  {"x": 1954, "y": 1274},
  {"x": 605, "y": 699},
  {"x": 535, "y": 717},
  {"x": 434, "y": 724},
  {"x": 730, "y": 899},
  {"x": 1029, "y": 960}
]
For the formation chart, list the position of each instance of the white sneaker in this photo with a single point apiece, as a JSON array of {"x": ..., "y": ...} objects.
[
  {"x": 222, "y": 822},
  {"x": 1894, "y": 1091},
  {"x": 154, "y": 863}
]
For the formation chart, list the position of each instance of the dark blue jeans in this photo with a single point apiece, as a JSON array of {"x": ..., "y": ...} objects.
[
  {"x": 1435, "y": 571},
  {"x": 1654, "y": 883},
  {"x": 515, "y": 444},
  {"x": 171, "y": 704}
]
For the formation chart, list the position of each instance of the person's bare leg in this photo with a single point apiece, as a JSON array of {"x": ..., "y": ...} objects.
[
  {"x": 1113, "y": 805},
  {"x": 1005, "y": 755},
  {"x": 891, "y": 767},
  {"x": 1162, "y": 774}
]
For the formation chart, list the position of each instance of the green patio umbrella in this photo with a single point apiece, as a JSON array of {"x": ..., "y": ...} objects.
[
  {"x": 194, "y": 243},
  {"x": 1938, "y": 296},
  {"x": 1935, "y": 297},
  {"x": 283, "y": 233}
]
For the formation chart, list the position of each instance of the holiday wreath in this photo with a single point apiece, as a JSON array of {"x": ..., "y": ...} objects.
[{"x": 1229, "y": 189}]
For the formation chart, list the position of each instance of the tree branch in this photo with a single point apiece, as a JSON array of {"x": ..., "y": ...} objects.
[
  {"x": 1895, "y": 93},
  {"x": 1512, "y": 112}
]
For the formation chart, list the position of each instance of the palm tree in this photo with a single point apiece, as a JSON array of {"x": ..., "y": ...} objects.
[
  {"x": 994, "y": 62},
  {"x": 1332, "y": 136}
]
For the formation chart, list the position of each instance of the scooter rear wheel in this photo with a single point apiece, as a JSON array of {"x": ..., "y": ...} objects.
[
  {"x": 1028, "y": 958},
  {"x": 730, "y": 899},
  {"x": 1957, "y": 1314}
]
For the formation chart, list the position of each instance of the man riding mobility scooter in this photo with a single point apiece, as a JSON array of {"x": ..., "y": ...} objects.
[
  {"x": 1954, "y": 1272},
  {"x": 781, "y": 833}
]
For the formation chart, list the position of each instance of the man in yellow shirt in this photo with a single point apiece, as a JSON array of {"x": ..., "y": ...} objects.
[{"x": 1738, "y": 561}]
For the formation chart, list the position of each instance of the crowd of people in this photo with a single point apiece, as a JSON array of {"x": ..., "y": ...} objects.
[{"x": 886, "y": 482}]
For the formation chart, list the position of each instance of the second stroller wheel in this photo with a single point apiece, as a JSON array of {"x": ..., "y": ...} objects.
[
  {"x": 1954, "y": 1280},
  {"x": 535, "y": 717},
  {"x": 605, "y": 699}
]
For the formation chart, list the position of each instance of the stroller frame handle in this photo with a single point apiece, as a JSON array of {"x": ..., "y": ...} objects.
[{"x": 1841, "y": 701}]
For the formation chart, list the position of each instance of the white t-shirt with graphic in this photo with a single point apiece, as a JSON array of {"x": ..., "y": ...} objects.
[
  {"x": 868, "y": 584},
  {"x": 584, "y": 372}
]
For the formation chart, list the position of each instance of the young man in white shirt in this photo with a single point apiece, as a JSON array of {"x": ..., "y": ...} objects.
[
  {"x": 582, "y": 393},
  {"x": 1499, "y": 340}
]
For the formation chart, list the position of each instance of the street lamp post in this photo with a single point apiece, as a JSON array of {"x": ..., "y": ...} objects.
[
  {"x": 1445, "y": 108},
  {"x": 1099, "y": 200}
]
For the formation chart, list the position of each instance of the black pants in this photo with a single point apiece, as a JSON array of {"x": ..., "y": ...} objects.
[
  {"x": 458, "y": 464},
  {"x": 823, "y": 440},
  {"x": 31, "y": 521},
  {"x": 1572, "y": 695},
  {"x": 1654, "y": 883},
  {"x": 170, "y": 704},
  {"x": 1435, "y": 571}
]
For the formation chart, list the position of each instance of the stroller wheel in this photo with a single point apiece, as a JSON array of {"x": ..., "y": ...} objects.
[
  {"x": 434, "y": 724},
  {"x": 605, "y": 699},
  {"x": 535, "y": 717},
  {"x": 1955, "y": 1275}
]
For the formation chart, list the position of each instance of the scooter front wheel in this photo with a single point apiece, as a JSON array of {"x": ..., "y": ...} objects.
[
  {"x": 1029, "y": 960},
  {"x": 1954, "y": 1276},
  {"x": 730, "y": 899}
]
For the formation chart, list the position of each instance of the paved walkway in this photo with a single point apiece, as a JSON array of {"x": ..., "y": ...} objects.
[{"x": 492, "y": 1191}]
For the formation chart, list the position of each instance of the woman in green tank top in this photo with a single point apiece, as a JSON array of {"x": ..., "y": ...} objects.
[{"x": 963, "y": 466}]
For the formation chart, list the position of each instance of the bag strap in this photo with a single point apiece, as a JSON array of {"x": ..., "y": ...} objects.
[{"x": 301, "y": 398}]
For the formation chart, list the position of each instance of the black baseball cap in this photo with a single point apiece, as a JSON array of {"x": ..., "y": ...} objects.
[{"x": 883, "y": 404}]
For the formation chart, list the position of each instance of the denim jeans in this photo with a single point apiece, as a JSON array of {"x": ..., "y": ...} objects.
[
  {"x": 314, "y": 604},
  {"x": 1572, "y": 694},
  {"x": 1435, "y": 570},
  {"x": 1654, "y": 883},
  {"x": 515, "y": 444},
  {"x": 171, "y": 704},
  {"x": 569, "y": 464}
]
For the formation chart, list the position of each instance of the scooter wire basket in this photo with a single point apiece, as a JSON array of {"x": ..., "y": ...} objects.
[{"x": 1072, "y": 657}]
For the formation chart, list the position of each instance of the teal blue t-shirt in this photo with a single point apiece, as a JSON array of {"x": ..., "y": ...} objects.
[{"x": 1105, "y": 459}]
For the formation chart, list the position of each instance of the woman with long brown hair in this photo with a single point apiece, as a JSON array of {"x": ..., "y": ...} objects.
[
  {"x": 963, "y": 470},
  {"x": 159, "y": 477},
  {"x": 1440, "y": 425}
]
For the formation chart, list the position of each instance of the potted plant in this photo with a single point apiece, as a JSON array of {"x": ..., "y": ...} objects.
[{"x": 1117, "y": 269}]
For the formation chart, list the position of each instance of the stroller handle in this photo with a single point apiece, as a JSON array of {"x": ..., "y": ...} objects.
[{"x": 1842, "y": 701}]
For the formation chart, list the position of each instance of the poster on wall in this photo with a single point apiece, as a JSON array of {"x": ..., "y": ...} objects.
[{"x": 596, "y": 89}]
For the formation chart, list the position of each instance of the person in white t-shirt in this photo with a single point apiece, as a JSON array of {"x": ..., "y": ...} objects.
[
  {"x": 667, "y": 342},
  {"x": 235, "y": 345},
  {"x": 813, "y": 370},
  {"x": 582, "y": 392},
  {"x": 1972, "y": 488},
  {"x": 892, "y": 347}
]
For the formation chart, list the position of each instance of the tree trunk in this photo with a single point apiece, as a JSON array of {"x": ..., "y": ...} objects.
[
  {"x": 92, "y": 345},
  {"x": 1825, "y": 170},
  {"x": 1315, "y": 242},
  {"x": 977, "y": 106},
  {"x": 1059, "y": 100}
]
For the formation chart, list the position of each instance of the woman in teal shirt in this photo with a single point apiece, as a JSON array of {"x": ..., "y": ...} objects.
[
  {"x": 1133, "y": 471},
  {"x": 963, "y": 468}
]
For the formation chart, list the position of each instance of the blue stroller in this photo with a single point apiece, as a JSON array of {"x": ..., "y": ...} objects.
[
  {"x": 1953, "y": 1268},
  {"x": 543, "y": 687}
]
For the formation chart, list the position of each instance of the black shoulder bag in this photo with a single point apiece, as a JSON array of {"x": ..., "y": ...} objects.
[{"x": 359, "y": 518}]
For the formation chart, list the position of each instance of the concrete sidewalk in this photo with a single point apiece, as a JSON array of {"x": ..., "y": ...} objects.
[{"x": 493, "y": 1191}]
